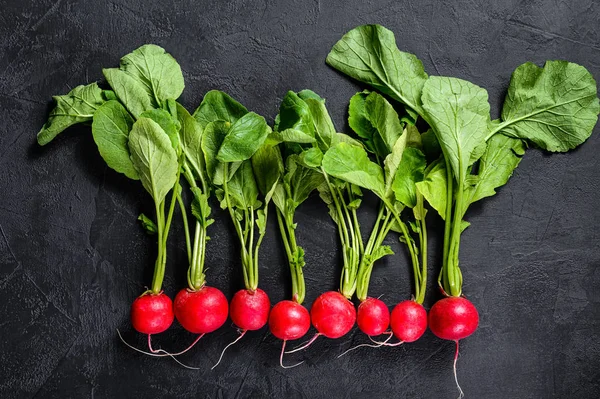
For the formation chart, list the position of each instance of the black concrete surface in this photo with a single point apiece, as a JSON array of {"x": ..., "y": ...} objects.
[{"x": 73, "y": 257}]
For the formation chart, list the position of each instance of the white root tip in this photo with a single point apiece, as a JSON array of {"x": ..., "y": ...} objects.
[
  {"x": 461, "y": 394},
  {"x": 281, "y": 358},
  {"x": 230, "y": 344},
  {"x": 304, "y": 346},
  {"x": 160, "y": 352}
]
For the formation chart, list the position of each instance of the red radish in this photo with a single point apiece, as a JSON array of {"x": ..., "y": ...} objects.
[
  {"x": 152, "y": 313},
  {"x": 332, "y": 314},
  {"x": 249, "y": 310},
  {"x": 289, "y": 320},
  {"x": 409, "y": 321},
  {"x": 373, "y": 316},
  {"x": 202, "y": 311},
  {"x": 453, "y": 318}
]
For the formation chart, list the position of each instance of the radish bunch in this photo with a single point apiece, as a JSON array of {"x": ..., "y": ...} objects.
[{"x": 421, "y": 143}]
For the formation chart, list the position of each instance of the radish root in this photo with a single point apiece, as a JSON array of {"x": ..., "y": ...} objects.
[
  {"x": 161, "y": 352},
  {"x": 377, "y": 345},
  {"x": 306, "y": 345},
  {"x": 281, "y": 358},
  {"x": 385, "y": 343},
  {"x": 242, "y": 333},
  {"x": 461, "y": 393}
]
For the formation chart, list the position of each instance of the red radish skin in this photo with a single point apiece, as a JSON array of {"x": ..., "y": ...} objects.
[
  {"x": 250, "y": 310},
  {"x": 152, "y": 313},
  {"x": 202, "y": 311},
  {"x": 289, "y": 320},
  {"x": 332, "y": 314},
  {"x": 373, "y": 316},
  {"x": 453, "y": 318},
  {"x": 409, "y": 321}
]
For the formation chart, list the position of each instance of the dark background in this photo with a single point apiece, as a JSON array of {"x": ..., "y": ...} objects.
[{"x": 73, "y": 257}]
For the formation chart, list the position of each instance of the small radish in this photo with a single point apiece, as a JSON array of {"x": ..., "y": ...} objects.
[
  {"x": 289, "y": 320},
  {"x": 409, "y": 321},
  {"x": 373, "y": 316},
  {"x": 332, "y": 314},
  {"x": 453, "y": 318},
  {"x": 152, "y": 314},
  {"x": 202, "y": 311},
  {"x": 249, "y": 310}
]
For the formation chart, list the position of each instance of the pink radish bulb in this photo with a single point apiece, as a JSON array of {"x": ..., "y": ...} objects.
[
  {"x": 289, "y": 320},
  {"x": 202, "y": 311},
  {"x": 373, "y": 316},
  {"x": 409, "y": 321},
  {"x": 152, "y": 313},
  {"x": 332, "y": 314},
  {"x": 453, "y": 318},
  {"x": 250, "y": 310}
]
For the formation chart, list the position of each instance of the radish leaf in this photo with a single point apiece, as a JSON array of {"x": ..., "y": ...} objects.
[
  {"x": 244, "y": 138},
  {"x": 110, "y": 127},
  {"x": 218, "y": 106},
  {"x": 556, "y": 106},
  {"x": 129, "y": 91},
  {"x": 77, "y": 106},
  {"x": 153, "y": 157}
]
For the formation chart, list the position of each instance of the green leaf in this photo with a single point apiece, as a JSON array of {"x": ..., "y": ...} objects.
[
  {"x": 324, "y": 129},
  {"x": 459, "y": 113},
  {"x": 355, "y": 204},
  {"x": 153, "y": 157},
  {"x": 166, "y": 122},
  {"x": 289, "y": 136},
  {"x": 242, "y": 187},
  {"x": 434, "y": 186},
  {"x": 385, "y": 120},
  {"x": 190, "y": 136},
  {"x": 352, "y": 165},
  {"x": 268, "y": 168},
  {"x": 109, "y": 95},
  {"x": 294, "y": 113},
  {"x": 502, "y": 155},
  {"x": 309, "y": 94},
  {"x": 201, "y": 208},
  {"x": 301, "y": 180},
  {"x": 110, "y": 128},
  {"x": 556, "y": 106},
  {"x": 131, "y": 92},
  {"x": 369, "y": 54},
  {"x": 358, "y": 119},
  {"x": 380, "y": 252},
  {"x": 244, "y": 137},
  {"x": 344, "y": 138},
  {"x": 218, "y": 106},
  {"x": 148, "y": 224},
  {"x": 157, "y": 70},
  {"x": 410, "y": 171},
  {"x": 311, "y": 158},
  {"x": 77, "y": 106},
  {"x": 212, "y": 138}
]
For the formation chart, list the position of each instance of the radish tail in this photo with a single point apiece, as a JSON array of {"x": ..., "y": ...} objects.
[
  {"x": 306, "y": 345},
  {"x": 461, "y": 393},
  {"x": 281, "y": 358},
  {"x": 232, "y": 343},
  {"x": 385, "y": 343},
  {"x": 173, "y": 354},
  {"x": 377, "y": 345},
  {"x": 155, "y": 354}
]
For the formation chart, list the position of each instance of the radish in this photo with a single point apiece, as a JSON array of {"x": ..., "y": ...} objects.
[
  {"x": 228, "y": 143},
  {"x": 202, "y": 311},
  {"x": 289, "y": 320},
  {"x": 453, "y": 318},
  {"x": 152, "y": 313},
  {"x": 373, "y": 316},
  {"x": 409, "y": 321},
  {"x": 332, "y": 314}
]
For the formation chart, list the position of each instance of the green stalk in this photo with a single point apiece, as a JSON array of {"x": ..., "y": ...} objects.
[
  {"x": 186, "y": 228},
  {"x": 158, "y": 275},
  {"x": 452, "y": 271},
  {"x": 291, "y": 248},
  {"x": 423, "y": 244},
  {"x": 447, "y": 227}
]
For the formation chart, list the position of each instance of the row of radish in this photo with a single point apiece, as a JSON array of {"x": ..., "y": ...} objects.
[{"x": 419, "y": 143}]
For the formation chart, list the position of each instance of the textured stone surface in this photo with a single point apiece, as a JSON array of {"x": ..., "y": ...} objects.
[{"x": 73, "y": 258}]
